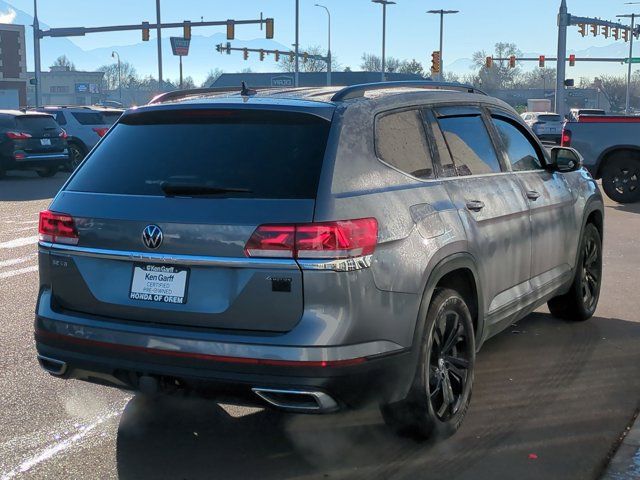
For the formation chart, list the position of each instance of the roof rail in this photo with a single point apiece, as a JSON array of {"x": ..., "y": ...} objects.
[
  {"x": 178, "y": 94},
  {"x": 355, "y": 91}
]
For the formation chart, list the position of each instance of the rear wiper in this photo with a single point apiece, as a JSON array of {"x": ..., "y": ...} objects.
[{"x": 197, "y": 190}]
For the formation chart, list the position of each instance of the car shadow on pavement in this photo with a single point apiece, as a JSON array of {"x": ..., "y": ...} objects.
[
  {"x": 627, "y": 207},
  {"x": 550, "y": 400},
  {"x": 26, "y": 186}
]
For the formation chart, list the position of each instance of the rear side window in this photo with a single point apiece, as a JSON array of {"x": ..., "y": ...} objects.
[
  {"x": 59, "y": 116},
  {"x": 470, "y": 145},
  {"x": 265, "y": 154},
  {"x": 36, "y": 122},
  {"x": 401, "y": 142},
  {"x": 89, "y": 118},
  {"x": 521, "y": 152}
]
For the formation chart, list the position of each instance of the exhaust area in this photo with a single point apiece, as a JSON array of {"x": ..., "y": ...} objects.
[
  {"x": 53, "y": 366},
  {"x": 299, "y": 400}
]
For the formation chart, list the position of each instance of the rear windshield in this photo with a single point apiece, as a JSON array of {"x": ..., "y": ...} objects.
[
  {"x": 591, "y": 112},
  {"x": 264, "y": 154},
  {"x": 550, "y": 118},
  {"x": 111, "y": 117},
  {"x": 89, "y": 118},
  {"x": 36, "y": 122}
]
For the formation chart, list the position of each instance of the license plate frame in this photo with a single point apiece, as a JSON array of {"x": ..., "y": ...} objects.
[
  {"x": 45, "y": 142},
  {"x": 145, "y": 277}
]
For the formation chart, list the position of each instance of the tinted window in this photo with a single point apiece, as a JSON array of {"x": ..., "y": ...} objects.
[
  {"x": 470, "y": 145},
  {"x": 60, "y": 118},
  {"x": 401, "y": 142},
  {"x": 550, "y": 118},
  {"x": 7, "y": 121},
  {"x": 522, "y": 154},
  {"x": 111, "y": 117},
  {"x": 272, "y": 154},
  {"x": 36, "y": 123},
  {"x": 88, "y": 118}
]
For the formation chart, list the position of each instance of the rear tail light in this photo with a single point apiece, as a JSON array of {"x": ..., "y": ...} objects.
[
  {"x": 57, "y": 228},
  {"x": 63, "y": 134},
  {"x": 332, "y": 240},
  {"x": 18, "y": 135},
  {"x": 566, "y": 138},
  {"x": 101, "y": 131}
]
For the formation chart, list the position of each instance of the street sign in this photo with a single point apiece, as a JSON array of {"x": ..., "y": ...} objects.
[
  {"x": 633, "y": 60},
  {"x": 180, "y": 46}
]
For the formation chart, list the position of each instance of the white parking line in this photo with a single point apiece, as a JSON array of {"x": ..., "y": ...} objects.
[
  {"x": 54, "y": 449},
  {"x": 20, "y": 271},
  {"x": 19, "y": 242},
  {"x": 16, "y": 261}
]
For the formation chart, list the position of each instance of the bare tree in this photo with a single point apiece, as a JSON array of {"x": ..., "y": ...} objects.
[
  {"x": 287, "y": 64},
  {"x": 499, "y": 75},
  {"x": 63, "y": 61},
  {"x": 412, "y": 66},
  {"x": 212, "y": 76},
  {"x": 110, "y": 80}
]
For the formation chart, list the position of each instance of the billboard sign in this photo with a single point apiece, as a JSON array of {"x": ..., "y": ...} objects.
[{"x": 180, "y": 46}]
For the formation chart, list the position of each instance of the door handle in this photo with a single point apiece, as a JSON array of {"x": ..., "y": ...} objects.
[
  {"x": 533, "y": 195},
  {"x": 475, "y": 205}
]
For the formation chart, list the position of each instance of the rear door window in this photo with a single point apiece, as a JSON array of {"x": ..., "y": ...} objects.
[
  {"x": 469, "y": 144},
  {"x": 89, "y": 118},
  {"x": 401, "y": 142},
  {"x": 265, "y": 154}
]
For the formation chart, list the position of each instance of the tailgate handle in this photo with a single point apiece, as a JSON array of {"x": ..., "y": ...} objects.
[
  {"x": 533, "y": 195},
  {"x": 475, "y": 205}
]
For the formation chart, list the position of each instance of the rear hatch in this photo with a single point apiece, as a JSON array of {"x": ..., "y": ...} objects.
[
  {"x": 206, "y": 179},
  {"x": 36, "y": 134},
  {"x": 550, "y": 124}
]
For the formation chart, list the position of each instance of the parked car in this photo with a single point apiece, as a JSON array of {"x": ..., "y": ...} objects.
[
  {"x": 110, "y": 104},
  {"x": 313, "y": 250},
  {"x": 84, "y": 126},
  {"x": 575, "y": 113},
  {"x": 610, "y": 145},
  {"x": 31, "y": 141},
  {"x": 546, "y": 125}
]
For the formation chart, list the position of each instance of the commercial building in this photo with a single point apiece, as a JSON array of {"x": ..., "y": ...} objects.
[
  {"x": 13, "y": 66},
  {"x": 63, "y": 86}
]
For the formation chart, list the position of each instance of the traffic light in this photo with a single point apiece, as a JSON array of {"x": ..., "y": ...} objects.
[
  {"x": 231, "y": 29},
  {"x": 435, "y": 62},
  {"x": 228, "y": 48},
  {"x": 615, "y": 33},
  {"x": 219, "y": 48},
  {"x": 245, "y": 54},
  {"x": 269, "y": 28},
  {"x": 594, "y": 30},
  {"x": 145, "y": 31},
  {"x": 305, "y": 57},
  {"x": 488, "y": 63},
  {"x": 582, "y": 29},
  {"x": 625, "y": 35},
  {"x": 572, "y": 60},
  {"x": 261, "y": 55},
  {"x": 276, "y": 55},
  {"x": 541, "y": 59},
  {"x": 186, "y": 30},
  {"x": 605, "y": 31},
  {"x": 512, "y": 61},
  {"x": 291, "y": 57}
]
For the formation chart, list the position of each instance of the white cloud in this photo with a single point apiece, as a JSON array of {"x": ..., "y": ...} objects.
[{"x": 8, "y": 17}]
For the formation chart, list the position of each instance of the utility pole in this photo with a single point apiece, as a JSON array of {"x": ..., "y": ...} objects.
[
  {"x": 297, "y": 45},
  {"x": 384, "y": 4},
  {"x": 563, "y": 21},
  {"x": 442, "y": 13},
  {"x": 159, "y": 30},
  {"x": 36, "y": 51},
  {"x": 632, "y": 16},
  {"x": 113, "y": 55},
  {"x": 328, "y": 45}
]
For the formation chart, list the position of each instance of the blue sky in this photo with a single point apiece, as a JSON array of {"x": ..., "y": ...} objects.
[{"x": 411, "y": 33}]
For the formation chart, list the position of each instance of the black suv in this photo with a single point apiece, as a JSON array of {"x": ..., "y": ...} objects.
[{"x": 31, "y": 141}]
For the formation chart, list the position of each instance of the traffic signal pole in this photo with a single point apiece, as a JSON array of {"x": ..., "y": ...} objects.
[
  {"x": 159, "y": 30},
  {"x": 563, "y": 23},
  {"x": 36, "y": 51}
]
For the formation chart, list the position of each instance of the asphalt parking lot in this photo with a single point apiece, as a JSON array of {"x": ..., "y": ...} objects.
[{"x": 551, "y": 398}]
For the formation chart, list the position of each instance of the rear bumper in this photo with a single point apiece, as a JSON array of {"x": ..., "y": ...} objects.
[{"x": 35, "y": 161}]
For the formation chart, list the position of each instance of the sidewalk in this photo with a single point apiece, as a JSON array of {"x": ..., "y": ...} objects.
[{"x": 625, "y": 464}]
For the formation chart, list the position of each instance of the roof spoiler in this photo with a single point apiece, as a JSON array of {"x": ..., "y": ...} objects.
[
  {"x": 189, "y": 92},
  {"x": 356, "y": 91}
]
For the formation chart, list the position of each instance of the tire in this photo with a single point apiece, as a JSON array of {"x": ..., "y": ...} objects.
[
  {"x": 76, "y": 155},
  {"x": 621, "y": 179},
  {"x": 47, "y": 172},
  {"x": 581, "y": 301},
  {"x": 439, "y": 397}
]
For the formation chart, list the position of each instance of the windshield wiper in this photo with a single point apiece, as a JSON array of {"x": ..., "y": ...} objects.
[{"x": 197, "y": 190}]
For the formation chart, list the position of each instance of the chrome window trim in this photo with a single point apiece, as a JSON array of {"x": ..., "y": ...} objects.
[{"x": 197, "y": 260}]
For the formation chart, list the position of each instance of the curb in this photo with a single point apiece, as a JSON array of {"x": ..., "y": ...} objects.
[{"x": 625, "y": 464}]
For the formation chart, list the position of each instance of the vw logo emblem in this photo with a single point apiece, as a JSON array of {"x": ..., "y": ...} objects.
[{"x": 152, "y": 236}]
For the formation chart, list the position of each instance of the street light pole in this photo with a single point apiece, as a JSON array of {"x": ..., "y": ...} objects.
[
  {"x": 384, "y": 4},
  {"x": 328, "y": 45},
  {"x": 159, "y": 30},
  {"x": 297, "y": 45},
  {"x": 36, "y": 51},
  {"x": 632, "y": 16},
  {"x": 442, "y": 13},
  {"x": 113, "y": 55}
]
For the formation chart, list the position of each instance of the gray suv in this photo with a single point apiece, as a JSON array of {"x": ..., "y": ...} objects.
[{"x": 313, "y": 249}]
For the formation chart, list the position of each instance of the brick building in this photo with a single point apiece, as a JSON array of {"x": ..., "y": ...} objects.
[{"x": 13, "y": 66}]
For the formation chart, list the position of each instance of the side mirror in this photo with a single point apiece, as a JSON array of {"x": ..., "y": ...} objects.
[{"x": 565, "y": 159}]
